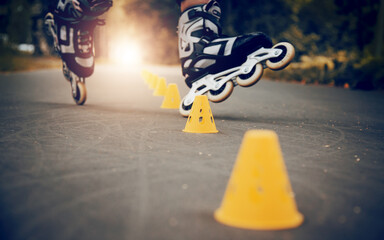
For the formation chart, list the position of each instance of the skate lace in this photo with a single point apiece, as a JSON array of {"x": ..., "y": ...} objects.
[
  {"x": 98, "y": 7},
  {"x": 84, "y": 41},
  {"x": 85, "y": 36}
]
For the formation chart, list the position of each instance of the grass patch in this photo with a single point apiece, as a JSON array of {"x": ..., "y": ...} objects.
[
  {"x": 16, "y": 63},
  {"x": 367, "y": 75},
  {"x": 311, "y": 75}
]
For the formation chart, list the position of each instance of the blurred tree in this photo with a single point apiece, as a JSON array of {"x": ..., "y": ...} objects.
[
  {"x": 358, "y": 20},
  {"x": 321, "y": 18},
  {"x": 4, "y": 7},
  {"x": 23, "y": 23},
  {"x": 380, "y": 31},
  {"x": 19, "y": 26},
  {"x": 39, "y": 38},
  {"x": 243, "y": 16},
  {"x": 362, "y": 21}
]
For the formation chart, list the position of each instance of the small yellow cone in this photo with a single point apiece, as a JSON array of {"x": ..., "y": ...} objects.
[
  {"x": 144, "y": 74},
  {"x": 200, "y": 119},
  {"x": 161, "y": 87},
  {"x": 147, "y": 76},
  {"x": 172, "y": 97},
  {"x": 153, "y": 81},
  {"x": 259, "y": 194}
]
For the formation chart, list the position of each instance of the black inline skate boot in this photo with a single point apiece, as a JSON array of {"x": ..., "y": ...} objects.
[
  {"x": 72, "y": 26},
  {"x": 213, "y": 64}
]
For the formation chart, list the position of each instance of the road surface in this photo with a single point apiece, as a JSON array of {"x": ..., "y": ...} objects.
[{"x": 120, "y": 167}]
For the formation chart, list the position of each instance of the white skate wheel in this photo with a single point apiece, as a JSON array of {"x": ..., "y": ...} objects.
[
  {"x": 284, "y": 58},
  {"x": 184, "y": 110},
  {"x": 247, "y": 80},
  {"x": 223, "y": 93},
  {"x": 81, "y": 93}
]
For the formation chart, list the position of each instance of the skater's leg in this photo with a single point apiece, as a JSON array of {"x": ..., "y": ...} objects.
[
  {"x": 75, "y": 22},
  {"x": 72, "y": 24},
  {"x": 211, "y": 63},
  {"x": 72, "y": 10},
  {"x": 202, "y": 47},
  {"x": 184, "y": 4}
]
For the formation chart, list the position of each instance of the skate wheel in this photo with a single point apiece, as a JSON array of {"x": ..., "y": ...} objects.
[
  {"x": 185, "y": 109},
  {"x": 284, "y": 58},
  {"x": 48, "y": 22},
  {"x": 81, "y": 93},
  {"x": 221, "y": 94},
  {"x": 247, "y": 80},
  {"x": 49, "y": 16},
  {"x": 66, "y": 72}
]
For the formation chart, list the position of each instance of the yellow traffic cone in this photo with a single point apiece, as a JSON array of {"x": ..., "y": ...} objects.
[
  {"x": 144, "y": 74},
  {"x": 259, "y": 194},
  {"x": 172, "y": 97},
  {"x": 147, "y": 76},
  {"x": 200, "y": 119},
  {"x": 161, "y": 88},
  {"x": 153, "y": 81}
]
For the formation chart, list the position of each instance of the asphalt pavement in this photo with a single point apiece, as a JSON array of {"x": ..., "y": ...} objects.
[{"x": 120, "y": 167}]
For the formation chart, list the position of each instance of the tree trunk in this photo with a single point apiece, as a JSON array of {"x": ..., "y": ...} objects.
[{"x": 380, "y": 31}]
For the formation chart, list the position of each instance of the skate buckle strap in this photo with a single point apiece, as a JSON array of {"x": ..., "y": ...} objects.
[
  {"x": 194, "y": 13},
  {"x": 98, "y": 7},
  {"x": 85, "y": 41},
  {"x": 213, "y": 7},
  {"x": 210, "y": 11}
]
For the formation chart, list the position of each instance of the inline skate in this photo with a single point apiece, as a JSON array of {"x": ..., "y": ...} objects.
[
  {"x": 214, "y": 64},
  {"x": 71, "y": 25}
]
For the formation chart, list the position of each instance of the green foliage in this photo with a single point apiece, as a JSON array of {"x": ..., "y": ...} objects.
[
  {"x": 358, "y": 20},
  {"x": 19, "y": 28},
  {"x": 319, "y": 18},
  {"x": 6, "y": 54},
  {"x": 375, "y": 71},
  {"x": 242, "y": 16},
  {"x": 326, "y": 27},
  {"x": 369, "y": 75},
  {"x": 12, "y": 60}
]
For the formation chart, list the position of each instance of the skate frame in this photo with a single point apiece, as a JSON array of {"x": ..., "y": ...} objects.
[
  {"x": 72, "y": 78},
  {"x": 210, "y": 82},
  {"x": 51, "y": 25}
]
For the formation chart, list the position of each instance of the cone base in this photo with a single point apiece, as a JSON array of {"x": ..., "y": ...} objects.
[
  {"x": 259, "y": 224},
  {"x": 169, "y": 107},
  {"x": 209, "y": 131}
]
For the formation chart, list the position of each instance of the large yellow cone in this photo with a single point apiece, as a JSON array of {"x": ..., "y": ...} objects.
[
  {"x": 259, "y": 194},
  {"x": 172, "y": 97},
  {"x": 161, "y": 88},
  {"x": 200, "y": 119}
]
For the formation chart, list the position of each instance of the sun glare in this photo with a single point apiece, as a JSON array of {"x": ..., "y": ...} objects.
[{"x": 125, "y": 53}]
